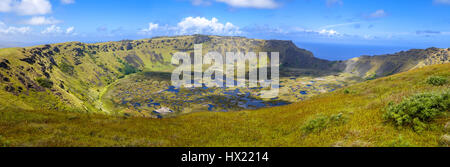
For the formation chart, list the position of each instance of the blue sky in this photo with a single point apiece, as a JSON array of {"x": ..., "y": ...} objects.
[{"x": 414, "y": 23}]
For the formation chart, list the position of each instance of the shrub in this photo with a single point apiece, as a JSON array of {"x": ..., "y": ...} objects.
[
  {"x": 66, "y": 68},
  {"x": 418, "y": 110},
  {"x": 323, "y": 122},
  {"x": 128, "y": 69},
  {"x": 371, "y": 77},
  {"x": 437, "y": 80},
  {"x": 346, "y": 91},
  {"x": 44, "y": 82}
]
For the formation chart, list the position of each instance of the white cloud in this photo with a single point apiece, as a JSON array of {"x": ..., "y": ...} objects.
[
  {"x": 331, "y": 3},
  {"x": 328, "y": 32},
  {"x": 201, "y": 25},
  {"x": 377, "y": 14},
  {"x": 193, "y": 25},
  {"x": 33, "y": 7},
  {"x": 151, "y": 27},
  {"x": 41, "y": 20},
  {"x": 323, "y": 32},
  {"x": 370, "y": 37},
  {"x": 13, "y": 30},
  {"x": 67, "y": 1},
  {"x": 53, "y": 29},
  {"x": 5, "y": 5},
  {"x": 291, "y": 32},
  {"x": 261, "y": 4},
  {"x": 26, "y": 7},
  {"x": 340, "y": 25},
  {"x": 70, "y": 30},
  {"x": 442, "y": 2},
  {"x": 201, "y": 2}
]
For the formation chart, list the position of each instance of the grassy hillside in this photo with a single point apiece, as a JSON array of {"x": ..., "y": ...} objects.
[
  {"x": 73, "y": 75},
  {"x": 351, "y": 116}
]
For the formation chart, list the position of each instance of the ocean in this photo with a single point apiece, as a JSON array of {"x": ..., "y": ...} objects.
[{"x": 348, "y": 51}]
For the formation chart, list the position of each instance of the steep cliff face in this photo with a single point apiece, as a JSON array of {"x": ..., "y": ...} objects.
[
  {"x": 293, "y": 57},
  {"x": 383, "y": 65},
  {"x": 73, "y": 75}
]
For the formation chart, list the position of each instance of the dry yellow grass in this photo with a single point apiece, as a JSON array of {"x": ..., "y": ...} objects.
[{"x": 280, "y": 126}]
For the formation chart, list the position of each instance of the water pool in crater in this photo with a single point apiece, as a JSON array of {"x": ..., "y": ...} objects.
[{"x": 143, "y": 94}]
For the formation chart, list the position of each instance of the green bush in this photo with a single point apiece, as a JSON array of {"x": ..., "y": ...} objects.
[
  {"x": 419, "y": 110},
  {"x": 371, "y": 77},
  {"x": 437, "y": 80},
  {"x": 346, "y": 91},
  {"x": 128, "y": 69},
  {"x": 323, "y": 122},
  {"x": 66, "y": 68},
  {"x": 44, "y": 82}
]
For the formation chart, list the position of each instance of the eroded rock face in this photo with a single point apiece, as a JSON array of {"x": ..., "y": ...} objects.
[
  {"x": 5, "y": 64},
  {"x": 384, "y": 65},
  {"x": 201, "y": 39},
  {"x": 293, "y": 57},
  {"x": 4, "y": 78},
  {"x": 10, "y": 89},
  {"x": 30, "y": 60},
  {"x": 445, "y": 140},
  {"x": 134, "y": 60}
]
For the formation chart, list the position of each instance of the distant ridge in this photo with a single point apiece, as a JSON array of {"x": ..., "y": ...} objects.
[{"x": 388, "y": 64}]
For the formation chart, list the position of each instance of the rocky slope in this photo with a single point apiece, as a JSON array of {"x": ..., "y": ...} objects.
[{"x": 384, "y": 65}]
